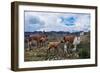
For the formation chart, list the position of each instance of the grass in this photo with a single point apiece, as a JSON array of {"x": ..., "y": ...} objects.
[{"x": 40, "y": 54}]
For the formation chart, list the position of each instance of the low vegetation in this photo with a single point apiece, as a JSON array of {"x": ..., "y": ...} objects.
[{"x": 40, "y": 53}]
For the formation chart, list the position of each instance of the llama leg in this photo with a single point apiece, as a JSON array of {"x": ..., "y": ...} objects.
[
  {"x": 75, "y": 46},
  {"x": 65, "y": 48},
  {"x": 37, "y": 44},
  {"x": 40, "y": 44},
  {"x": 47, "y": 55},
  {"x": 28, "y": 48},
  {"x": 30, "y": 45}
]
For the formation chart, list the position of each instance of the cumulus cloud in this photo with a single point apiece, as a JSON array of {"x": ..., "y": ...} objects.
[
  {"x": 48, "y": 21},
  {"x": 33, "y": 23}
]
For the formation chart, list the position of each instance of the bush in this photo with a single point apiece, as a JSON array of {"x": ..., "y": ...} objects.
[{"x": 84, "y": 53}]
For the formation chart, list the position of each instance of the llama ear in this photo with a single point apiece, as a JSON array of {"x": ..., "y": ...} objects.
[
  {"x": 62, "y": 41},
  {"x": 47, "y": 42}
]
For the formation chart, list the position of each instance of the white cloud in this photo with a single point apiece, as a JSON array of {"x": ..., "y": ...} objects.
[{"x": 53, "y": 22}]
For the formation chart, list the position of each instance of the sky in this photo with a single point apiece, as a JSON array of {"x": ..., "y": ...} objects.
[{"x": 56, "y": 21}]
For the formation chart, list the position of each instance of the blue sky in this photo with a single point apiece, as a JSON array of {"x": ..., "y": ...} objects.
[{"x": 48, "y": 21}]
